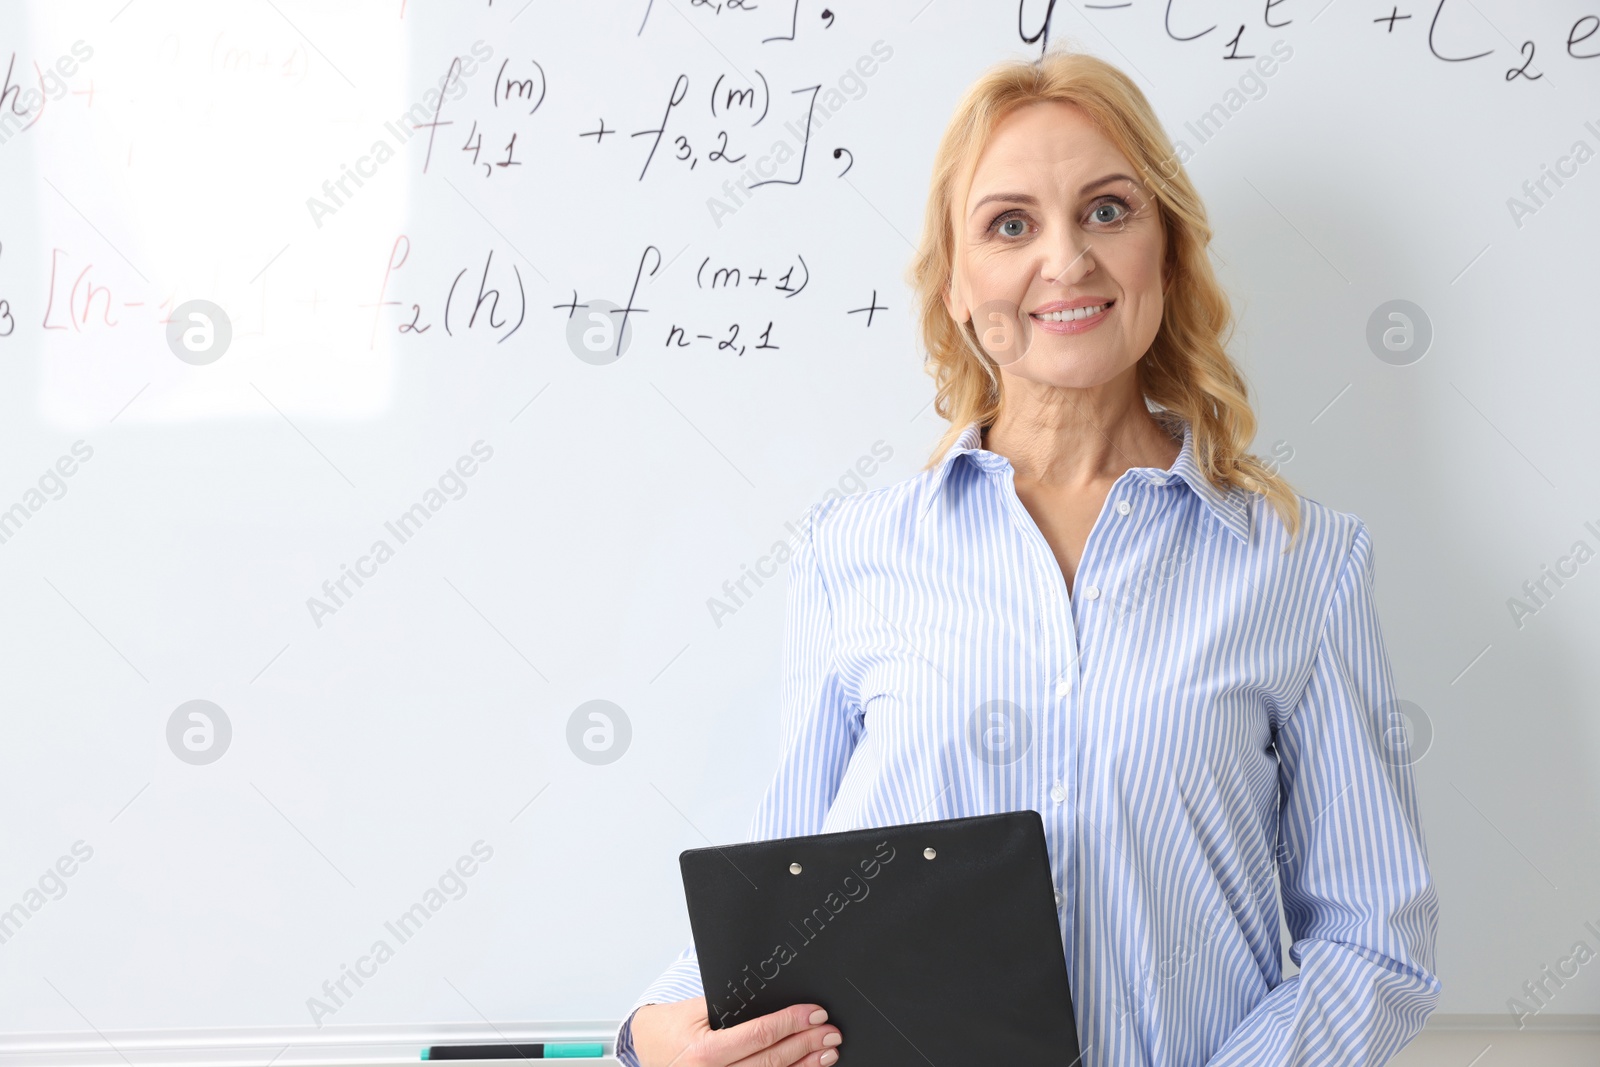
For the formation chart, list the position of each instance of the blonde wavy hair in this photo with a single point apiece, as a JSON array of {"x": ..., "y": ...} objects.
[{"x": 1187, "y": 370}]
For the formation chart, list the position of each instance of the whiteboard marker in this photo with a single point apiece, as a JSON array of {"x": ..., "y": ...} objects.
[{"x": 531, "y": 1051}]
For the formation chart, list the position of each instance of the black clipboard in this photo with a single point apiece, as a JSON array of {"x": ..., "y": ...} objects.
[{"x": 933, "y": 942}]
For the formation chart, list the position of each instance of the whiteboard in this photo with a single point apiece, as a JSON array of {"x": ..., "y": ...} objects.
[{"x": 403, "y": 521}]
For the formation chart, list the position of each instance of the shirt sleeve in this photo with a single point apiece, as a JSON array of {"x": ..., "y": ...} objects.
[
  {"x": 680, "y": 981},
  {"x": 1358, "y": 897},
  {"x": 820, "y": 728}
]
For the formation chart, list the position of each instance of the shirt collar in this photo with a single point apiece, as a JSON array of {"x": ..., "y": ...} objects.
[{"x": 1230, "y": 506}]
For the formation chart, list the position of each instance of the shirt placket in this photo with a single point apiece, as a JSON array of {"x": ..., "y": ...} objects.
[
  {"x": 1055, "y": 696},
  {"x": 1059, "y": 630}
]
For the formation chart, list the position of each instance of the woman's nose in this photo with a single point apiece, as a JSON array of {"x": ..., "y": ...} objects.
[{"x": 1066, "y": 256}]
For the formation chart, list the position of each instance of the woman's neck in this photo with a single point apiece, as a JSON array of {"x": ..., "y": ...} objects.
[{"x": 1075, "y": 452}]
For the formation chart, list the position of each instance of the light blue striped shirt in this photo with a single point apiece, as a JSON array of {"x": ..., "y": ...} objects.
[{"x": 1201, "y": 719}]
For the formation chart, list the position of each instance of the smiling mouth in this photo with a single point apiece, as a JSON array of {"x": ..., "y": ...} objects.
[{"x": 1074, "y": 314}]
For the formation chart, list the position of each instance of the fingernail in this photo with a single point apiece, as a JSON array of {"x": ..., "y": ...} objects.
[
  {"x": 833, "y": 1039},
  {"x": 819, "y": 1016},
  {"x": 829, "y": 1058}
]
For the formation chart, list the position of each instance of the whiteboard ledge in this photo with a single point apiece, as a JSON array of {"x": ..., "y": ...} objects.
[
  {"x": 279, "y": 1046},
  {"x": 1500, "y": 1022},
  {"x": 379, "y": 1046}
]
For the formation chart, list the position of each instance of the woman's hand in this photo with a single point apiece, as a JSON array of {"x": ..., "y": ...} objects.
[{"x": 676, "y": 1034}]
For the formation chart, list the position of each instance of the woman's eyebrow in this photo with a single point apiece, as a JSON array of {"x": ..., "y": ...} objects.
[{"x": 1033, "y": 201}]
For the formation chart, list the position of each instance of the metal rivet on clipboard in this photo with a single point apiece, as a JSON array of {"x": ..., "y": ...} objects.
[
  {"x": 794, "y": 868},
  {"x": 928, "y": 853}
]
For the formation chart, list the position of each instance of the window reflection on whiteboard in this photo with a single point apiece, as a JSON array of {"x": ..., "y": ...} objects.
[{"x": 207, "y": 161}]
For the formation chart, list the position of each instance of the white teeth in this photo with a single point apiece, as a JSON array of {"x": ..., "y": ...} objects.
[{"x": 1073, "y": 315}]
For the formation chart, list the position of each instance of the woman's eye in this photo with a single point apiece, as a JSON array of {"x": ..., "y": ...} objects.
[
  {"x": 1113, "y": 211},
  {"x": 1113, "y": 204}
]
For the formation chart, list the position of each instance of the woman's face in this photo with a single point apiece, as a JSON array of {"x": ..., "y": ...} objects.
[{"x": 1054, "y": 215}]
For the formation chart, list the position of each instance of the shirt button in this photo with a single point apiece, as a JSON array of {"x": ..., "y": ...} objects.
[
  {"x": 1091, "y": 592},
  {"x": 1123, "y": 507},
  {"x": 1058, "y": 794},
  {"x": 1063, "y": 689},
  {"x": 1058, "y": 896}
]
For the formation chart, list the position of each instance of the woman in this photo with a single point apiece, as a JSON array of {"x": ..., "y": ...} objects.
[{"x": 1085, "y": 606}]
